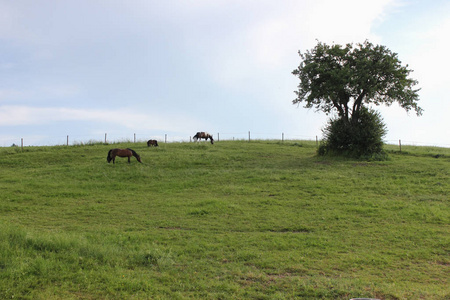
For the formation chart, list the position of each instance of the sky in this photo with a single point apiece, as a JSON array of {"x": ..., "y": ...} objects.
[{"x": 86, "y": 70}]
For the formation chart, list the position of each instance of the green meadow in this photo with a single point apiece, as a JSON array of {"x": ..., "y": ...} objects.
[{"x": 233, "y": 220}]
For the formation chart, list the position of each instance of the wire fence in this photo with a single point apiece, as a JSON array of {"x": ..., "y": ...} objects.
[{"x": 110, "y": 138}]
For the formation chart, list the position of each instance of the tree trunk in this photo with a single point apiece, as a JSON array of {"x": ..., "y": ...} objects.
[{"x": 357, "y": 107}]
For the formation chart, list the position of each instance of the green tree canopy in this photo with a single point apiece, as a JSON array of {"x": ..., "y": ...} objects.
[{"x": 344, "y": 79}]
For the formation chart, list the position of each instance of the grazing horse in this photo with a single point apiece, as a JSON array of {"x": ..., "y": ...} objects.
[
  {"x": 203, "y": 135},
  {"x": 152, "y": 143},
  {"x": 122, "y": 153}
]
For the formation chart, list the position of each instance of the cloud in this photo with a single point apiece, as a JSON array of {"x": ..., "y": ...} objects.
[
  {"x": 44, "y": 93},
  {"x": 26, "y": 115},
  {"x": 429, "y": 59},
  {"x": 270, "y": 38}
]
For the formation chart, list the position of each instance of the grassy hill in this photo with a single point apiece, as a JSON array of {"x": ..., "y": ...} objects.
[{"x": 233, "y": 220}]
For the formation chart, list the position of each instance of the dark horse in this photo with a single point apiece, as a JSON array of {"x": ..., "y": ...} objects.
[
  {"x": 122, "y": 153},
  {"x": 152, "y": 143},
  {"x": 203, "y": 135}
]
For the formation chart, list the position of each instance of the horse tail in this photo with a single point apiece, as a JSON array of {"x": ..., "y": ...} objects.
[{"x": 108, "y": 158}]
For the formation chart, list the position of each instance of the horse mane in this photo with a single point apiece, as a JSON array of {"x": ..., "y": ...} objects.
[
  {"x": 108, "y": 158},
  {"x": 132, "y": 151}
]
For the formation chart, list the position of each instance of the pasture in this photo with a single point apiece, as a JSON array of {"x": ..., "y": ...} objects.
[{"x": 233, "y": 220}]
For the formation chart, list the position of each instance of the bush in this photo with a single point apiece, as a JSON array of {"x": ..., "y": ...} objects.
[{"x": 358, "y": 138}]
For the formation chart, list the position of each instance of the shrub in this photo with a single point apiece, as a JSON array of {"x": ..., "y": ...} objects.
[{"x": 361, "y": 137}]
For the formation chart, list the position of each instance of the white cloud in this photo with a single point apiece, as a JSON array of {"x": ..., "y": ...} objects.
[
  {"x": 46, "y": 92},
  {"x": 11, "y": 94},
  {"x": 25, "y": 115},
  {"x": 271, "y": 40},
  {"x": 429, "y": 58}
]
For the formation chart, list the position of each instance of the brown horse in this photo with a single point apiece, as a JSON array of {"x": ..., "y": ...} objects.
[
  {"x": 152, "y": 143},
  {"x": 203, "y": 135},
  {"x": 122, "y": 153}
]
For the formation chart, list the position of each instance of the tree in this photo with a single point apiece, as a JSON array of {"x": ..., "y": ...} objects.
[
  {"x": 344, "y": 79},
  {"x": 348, "y": 81}
]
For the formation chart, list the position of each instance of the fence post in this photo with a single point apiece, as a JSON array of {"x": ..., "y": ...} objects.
[
  {"x": 282, "y": 137},
  {"x": 317, "y": 142},
  {"x": 105, "y": 138},
  {"x": 249, "y": 136},
  {"x": 165, "y": 138},
  {"x": 67, "y": 140},
  {"x": 218, "y": 137},
  {"x": 21, "y": 144},
  {"x": 400, "y": 145},
  {"x": 135, "y": 138}
]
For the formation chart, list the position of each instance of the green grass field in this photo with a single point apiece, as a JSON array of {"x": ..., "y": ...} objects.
[{"x": 233, "y": 220}]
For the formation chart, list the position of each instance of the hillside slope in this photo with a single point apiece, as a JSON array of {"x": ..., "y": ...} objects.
[{"x": 237, "y": 219}]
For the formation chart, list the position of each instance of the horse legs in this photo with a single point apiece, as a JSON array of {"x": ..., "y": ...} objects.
[{"x": 129, "y": 159}]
